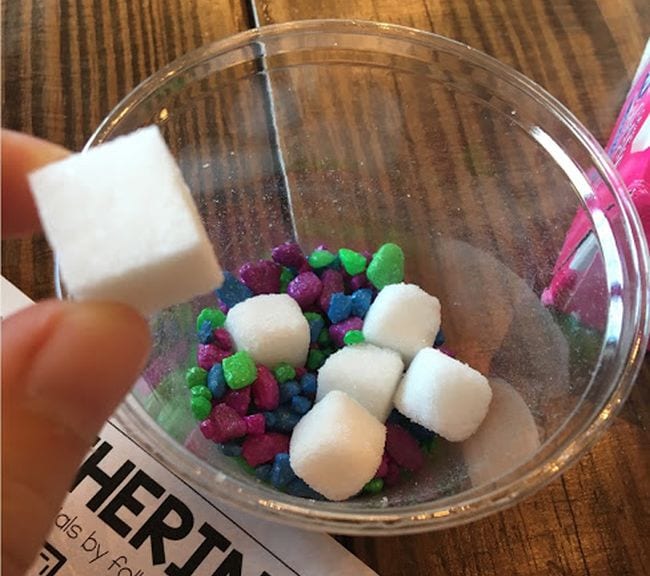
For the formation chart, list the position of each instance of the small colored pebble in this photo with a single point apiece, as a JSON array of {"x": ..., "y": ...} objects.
[
  {"x": 358, "y": 281},
  {"x": 340, "y": 307},
  {"x": 361, "y": 300},
  {"x": 338, "y": 331},
  {"x": 288, "y": 254},
  {"x": 214, "y": 316},
  {"x": 263, "y": 472},
  {"x": 352, "y": 262},
  {"x": 285, "y": 419},
  {"x": 320, "y": 259},
  {"x": 284, "y": 372},
  {"x": 393, "y": 475},
  {"x": 386, "y": 266},
  {"x": 255, "y": 424},
  {"x": 305, "y": 289},
  {"x": 308, "y": 384},
  {"x": 440, "y": 339},
  {"x": 375, "y": 486},
  {"x": 205, "y": 333},
  {"x": 324, "y": 338},
  {"x": 207, "y": 355},
  {"x": 201, "y": 390},
  {"x": 201, "y": 407},
  {"x": 231, "y": 449},
  {"x": 233, "y": 291},
  {"x": 288, "y": 390},
  {"x": 316, "y": 324},
  {"x": 239, "y": 400},
  {"x": 239, "y": 370},
  {"x": 258, "y": 450},
  {"x": 286, "y": 276},
  {"x": 245, "y": 466},
  {"x": 332, "y": 281},
  {"x": 300, "y": 405},
  {"x": 270, "y": 420},
  {"x": 262, "y": 277},
  {"x": 207, "y": 428},
  {"x": 266, "y": 393},
  {"x": 228, "y": 425},
  {"x": 217, "y": 382},
  {"x": 196, "y": 376},
  {"x": 353, "y": 337},
  {"x": 222, "y": 339},
  {"x": 298, "y": 487},
  {"x": 281, "y": 473},
  {"x": 315, "y": 359},
  {"x": 403, "y": 448}
]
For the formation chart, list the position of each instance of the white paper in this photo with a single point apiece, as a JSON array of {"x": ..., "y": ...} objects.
[{"x": 115, "y": 523}]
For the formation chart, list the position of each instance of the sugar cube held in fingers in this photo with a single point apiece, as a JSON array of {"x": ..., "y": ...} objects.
[{"x": 124, "y": 226}]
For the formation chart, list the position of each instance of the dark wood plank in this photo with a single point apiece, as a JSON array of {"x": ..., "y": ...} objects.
[
  {"x": 595, "y": 519},
  {"x": 67, "y": 63}
]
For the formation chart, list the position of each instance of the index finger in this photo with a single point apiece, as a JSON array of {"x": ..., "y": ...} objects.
[{"x": 21, "y": 154}]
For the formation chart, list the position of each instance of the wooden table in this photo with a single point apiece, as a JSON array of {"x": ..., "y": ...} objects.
[{"x": 67, "y": 63}]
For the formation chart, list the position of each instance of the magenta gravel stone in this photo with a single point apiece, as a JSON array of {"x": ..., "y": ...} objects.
[
  {"x": 305, "y": 289},
  {"x": 403, "y": 448},
  {"x": 262, "y": 277},
  {"x": 207, "y": 355},
  {"x": 239, "y": 400},
  {"x": 222, "y": 339},
  {"x": 258, "y": 450},
  {"x": 338, "y": 331},
  {"x": 266, "y": 392},
  {"x": 228, "y": 425},
  {"x": 332, "y": 281},
  {"x": 255, "y": 424},
  {"x": 289, "y": 254}
]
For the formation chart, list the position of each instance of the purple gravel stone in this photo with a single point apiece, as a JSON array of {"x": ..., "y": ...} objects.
[
  {"x": 223, "y": 307},
  {"x": 332, "y": 282},
  {"x": 289, "y": 254},
  {"x": 207, "y": 355},
  {"x": 262, "y": 277},
  {"x": 338, "y": 331},
  {"x": 305, "y": 289},
  {"x": 222, "y": 339},
  {"x": 358, "y": 281}
]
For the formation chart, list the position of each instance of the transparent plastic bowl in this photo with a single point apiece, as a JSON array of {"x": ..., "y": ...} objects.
[{"x": 352, "y": 134}]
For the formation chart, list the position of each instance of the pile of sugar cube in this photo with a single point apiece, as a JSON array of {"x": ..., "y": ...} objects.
[{"x": 124, "y": 226}]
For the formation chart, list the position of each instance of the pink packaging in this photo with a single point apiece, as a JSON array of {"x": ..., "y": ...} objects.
[{"x": 629, "y": 149}]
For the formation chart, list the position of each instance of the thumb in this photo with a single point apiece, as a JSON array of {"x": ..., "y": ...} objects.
[{"x": 65, "y": 367}]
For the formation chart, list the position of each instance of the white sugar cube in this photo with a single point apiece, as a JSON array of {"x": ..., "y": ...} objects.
[
  {"x": 443, "y": 395},
  {"x": 124, "y": 226},
  {"x": 271, "y": 328},
  {"x": 366, "y": 373},
  {"x": 337, "y": 446},
  {"x": 403, "y": 317},
  {"x": 505, "y": 439}
]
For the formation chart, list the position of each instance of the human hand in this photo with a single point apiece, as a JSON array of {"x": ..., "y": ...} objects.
[{"x": 65, "y": 367}]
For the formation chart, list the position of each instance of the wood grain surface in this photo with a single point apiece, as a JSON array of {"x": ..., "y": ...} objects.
[{"x": 66, "y": 63}]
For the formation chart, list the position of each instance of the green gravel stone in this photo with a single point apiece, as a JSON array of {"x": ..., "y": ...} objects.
[
  {"x": 201, "y": 407},
  {"x": 245, "y": 466},
  {"x": 315, "y": 359},
  {"x": 284, "y": 372},
  {"x": 320, "y": 258},
  {"x": 196, "y": 376},
  {"x": 213, "y": 315},
  {"x": 239, "y": 370},
  {"x": 352, "y": 262},
  {"x": 286, "y": 276},
  {"x": 353, "y": 337},
  {"x": 430, "y": 445},
  {"x": 375, "y": 486},
  {"x": 324, "y": 337},
  {"x": 386, "y": 266},
  {"x": 202, "y": 391},
  {"x": 310, "y": 316}
]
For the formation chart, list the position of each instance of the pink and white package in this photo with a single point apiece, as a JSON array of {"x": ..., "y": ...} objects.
[{"x": 572, "y": 289}]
